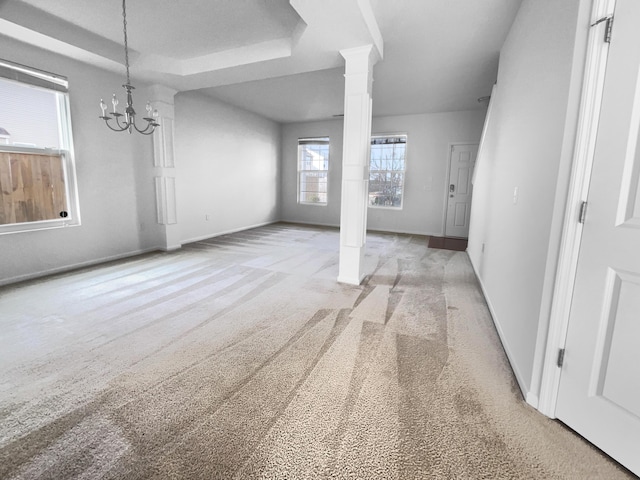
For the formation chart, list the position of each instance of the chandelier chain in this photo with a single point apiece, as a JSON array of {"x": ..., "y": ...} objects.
[{"x": 126, "y": 43}]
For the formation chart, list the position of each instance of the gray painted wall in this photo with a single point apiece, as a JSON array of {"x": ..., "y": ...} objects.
[
  {"x": 227, "y": 165},
  {"x": 429, "y": 138},
  {"x": 513, "y": 245}
]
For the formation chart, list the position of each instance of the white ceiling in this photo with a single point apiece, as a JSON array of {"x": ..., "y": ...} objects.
[{"x": 280, "y": 58}]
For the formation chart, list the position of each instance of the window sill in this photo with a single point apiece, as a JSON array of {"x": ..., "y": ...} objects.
[
  {"x": 37, "y": 226},
  {"x": 382, "y": 207}
]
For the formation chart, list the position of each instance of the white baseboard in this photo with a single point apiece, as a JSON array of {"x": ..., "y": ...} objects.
[
  {"x": 372, "y": 230},
  {"x": 311, "y": 224},
  {"x": 529, "y": 397},
  {"x": 171, "y": 248},
  {"x": 227, "y": 232},
  {"x": 532, "y": 399},
  {"x": 405, "y": 232},
  {"x": 75, "y": 266}
]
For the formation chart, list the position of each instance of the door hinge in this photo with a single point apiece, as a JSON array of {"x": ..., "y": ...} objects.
[
  {"x": 560, "y": 357},
  {"x": 607, "y": 28},
  {"x": 583, "y": 212}
]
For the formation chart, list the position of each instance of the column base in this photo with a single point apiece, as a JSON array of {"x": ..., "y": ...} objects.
[{"x": 350, "y": 266}]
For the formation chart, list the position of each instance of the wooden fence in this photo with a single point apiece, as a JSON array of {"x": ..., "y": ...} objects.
[{"x": 32, "y": 187}]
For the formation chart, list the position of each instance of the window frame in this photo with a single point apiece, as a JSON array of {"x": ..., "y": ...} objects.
[
  {"x": 404, "y": 170},
  {"x": 31, "y": 77},
  {"x": 320, "y": 140}
]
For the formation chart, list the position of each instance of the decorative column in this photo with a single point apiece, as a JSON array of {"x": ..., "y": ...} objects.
[
  {"x": 355, "y": 162},
  {"x": 162, "y": 98}
]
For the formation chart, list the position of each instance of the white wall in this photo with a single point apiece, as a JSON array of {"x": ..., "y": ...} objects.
[
  {"x": 227, "y": 166},
  {"x": 528, "y": 146},
  {"x": 114, "y": 179},
  {"x": 429, "y": 137}
]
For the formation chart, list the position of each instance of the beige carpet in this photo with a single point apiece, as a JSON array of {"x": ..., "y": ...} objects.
[{"x": 241, "y": 357}]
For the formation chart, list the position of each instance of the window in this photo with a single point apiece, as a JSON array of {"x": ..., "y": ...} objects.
[
  {"x": 386, "y": 170},
  {"x": 37, "y": 174},
  {"x": 313, "y": 169}
]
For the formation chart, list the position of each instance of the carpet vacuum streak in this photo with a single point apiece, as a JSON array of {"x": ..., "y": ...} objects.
[{"x": 241, "y": 357}]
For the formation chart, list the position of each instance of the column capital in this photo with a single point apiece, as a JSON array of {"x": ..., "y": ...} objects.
[
  {"x": 360, "y": 59},
  {"x": 160, "y": 93}
]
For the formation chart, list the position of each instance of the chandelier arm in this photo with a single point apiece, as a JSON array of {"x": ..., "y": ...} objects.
[
  {"x": 106, "y": 121},
  {"x": 122, "y": 126},
  {"x": 145, "y": 132},
  {"x": 148, "y": 130}
]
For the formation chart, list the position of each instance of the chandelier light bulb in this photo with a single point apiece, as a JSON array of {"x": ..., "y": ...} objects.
[
  {"x": 103, "y": 107},
  {"x": 115, "y": 102}
]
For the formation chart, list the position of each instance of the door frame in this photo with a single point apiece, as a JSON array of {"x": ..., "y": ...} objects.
[
  {"x": 583, "y": 155},
  {"x": 445, "y": 207}
]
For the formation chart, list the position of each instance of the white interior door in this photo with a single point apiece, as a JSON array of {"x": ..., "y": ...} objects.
[
  {"x": 462, "y": 159},
  {"x": 599, "y": 394}
]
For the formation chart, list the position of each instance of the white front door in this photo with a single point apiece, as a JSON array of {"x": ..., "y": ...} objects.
[
  {"x": 599, "y": 394},
  {"x": 462, "y": 159}
]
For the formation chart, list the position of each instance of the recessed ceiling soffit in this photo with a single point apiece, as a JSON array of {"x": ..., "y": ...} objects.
[{"x": 198, "y": 49}]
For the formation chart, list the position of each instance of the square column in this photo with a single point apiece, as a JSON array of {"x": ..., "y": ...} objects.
[
  {"x": 355, "y": 162},
  {"x": 162, "y": 98}
]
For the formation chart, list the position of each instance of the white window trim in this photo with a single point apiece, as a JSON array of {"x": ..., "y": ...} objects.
[
  {"x": 38, "y": 79},
  {"x": 404, "y": 172},
  {"x": 298, "y": 170}
]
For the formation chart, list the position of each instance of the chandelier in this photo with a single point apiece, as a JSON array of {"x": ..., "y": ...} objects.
[{"x": 129, "y": 120}]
